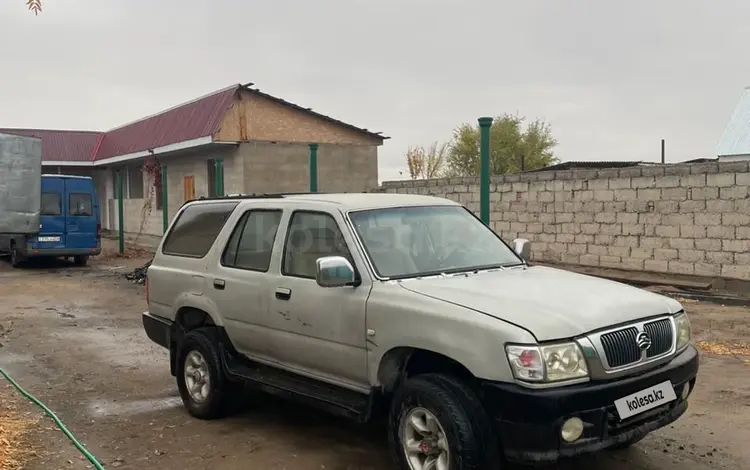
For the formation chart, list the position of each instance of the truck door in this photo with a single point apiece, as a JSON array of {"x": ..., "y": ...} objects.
[
  {"x": 81, "y": 220},
  {"x": 52, "y": 220}
]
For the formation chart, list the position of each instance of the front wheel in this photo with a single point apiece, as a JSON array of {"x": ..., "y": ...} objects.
[
  {"x": 205, "y": 391},
  {"x": 438, "y": 423}
]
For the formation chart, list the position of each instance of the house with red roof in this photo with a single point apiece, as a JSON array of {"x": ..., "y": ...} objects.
[{"x": 261, "y": 141}]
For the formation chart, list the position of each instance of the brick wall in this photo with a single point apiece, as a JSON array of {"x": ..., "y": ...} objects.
[{"x": 685, "y": 219}]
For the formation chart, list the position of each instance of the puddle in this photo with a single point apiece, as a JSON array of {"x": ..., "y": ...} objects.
[
  {"x": 105, "y": 408},
  {"x": 123, "y": 347}
]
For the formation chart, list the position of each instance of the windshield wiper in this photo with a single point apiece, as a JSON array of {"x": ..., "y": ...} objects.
[{"x": 445, "y": 272}]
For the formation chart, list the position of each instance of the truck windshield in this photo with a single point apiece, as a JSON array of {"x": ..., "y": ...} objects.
[{"x": 415, "y": 241}]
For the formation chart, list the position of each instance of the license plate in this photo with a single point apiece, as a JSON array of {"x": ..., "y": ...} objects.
[
  {"x": 49, "y": 239},
  {"x": 647, "y": 399}
]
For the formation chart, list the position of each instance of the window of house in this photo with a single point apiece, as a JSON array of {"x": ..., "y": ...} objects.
[
  {"x": 311, "y": 235},
  {"x": 196, "y": 229},
  {"x": 135, "y": 182},
  {"x": 51, "y": 204},
  {"x": 80, "y": 204},
  {"x": 251, "y": 244}
]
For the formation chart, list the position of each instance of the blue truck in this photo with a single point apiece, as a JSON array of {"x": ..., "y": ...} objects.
[{"x": 44, "y": 215}]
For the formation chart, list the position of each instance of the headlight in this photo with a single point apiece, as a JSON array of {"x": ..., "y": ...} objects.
[
  {"x": 550, "y": 363},
  {"x": 682, "y": 325}
]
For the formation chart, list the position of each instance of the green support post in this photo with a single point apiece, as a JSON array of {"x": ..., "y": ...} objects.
[
  {"x": 485, "y": 123},
  {"x": 313, "y": 168},
  {"x": 164, "y": 201},
  {"x": 120, "y": 212},
  {"x": 219, "y": 177}
]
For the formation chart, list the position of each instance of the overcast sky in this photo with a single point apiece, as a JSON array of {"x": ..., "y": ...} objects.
[{"x": 612, "y": 78}]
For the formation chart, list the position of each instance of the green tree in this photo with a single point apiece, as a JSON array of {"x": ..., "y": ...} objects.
[
  {"x": 509, "y": 141},
  {"x": 34, "y": 5},
  {"x": 426, "y": 163}
]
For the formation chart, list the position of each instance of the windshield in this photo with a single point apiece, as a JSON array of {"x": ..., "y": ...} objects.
[{"x": 427, "y": 240}]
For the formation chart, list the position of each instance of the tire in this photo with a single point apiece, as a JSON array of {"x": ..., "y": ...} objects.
[
  {"x": 15, "y": 257},
  {"x": 470, "y": 438},
  {"x": 218, "y": 390},
  {"x": 80, "y": 260}
]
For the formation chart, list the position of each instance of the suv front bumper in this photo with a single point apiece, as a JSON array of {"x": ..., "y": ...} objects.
[{"x": 529, "y": 421}]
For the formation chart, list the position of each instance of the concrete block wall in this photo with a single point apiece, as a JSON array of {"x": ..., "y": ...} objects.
[
  {"x": 284, "y": 167},
  {"x": 683, "y": 219}
]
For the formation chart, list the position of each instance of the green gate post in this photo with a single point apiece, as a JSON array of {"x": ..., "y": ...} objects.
[
  {"x": 164, "y": 202},
  {"x": 120, "y": 210},
  {"x": 313, "y": 168},
  {"x": 484, "y": 182},
  {"x": 219, "y": 177}
]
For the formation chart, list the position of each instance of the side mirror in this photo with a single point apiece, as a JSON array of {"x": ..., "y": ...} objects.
[
  {"x": 334, "y": 271},
  {"x": 522, "y": 247}
]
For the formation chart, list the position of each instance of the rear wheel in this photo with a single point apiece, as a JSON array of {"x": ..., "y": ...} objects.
[
  {"x": 438, "y": 423},
  {"x": 205, "y": 390},
  {"x": 15, "y": 257},
  {"x": 80, "y": 260}
]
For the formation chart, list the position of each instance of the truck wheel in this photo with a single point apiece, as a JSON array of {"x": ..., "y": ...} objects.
[
  {"x": 80, "y": 260},
  {"x": 15, "y": 257},
  {"x": 438, "y": 423},
  {"x": 205, "y": 391}
]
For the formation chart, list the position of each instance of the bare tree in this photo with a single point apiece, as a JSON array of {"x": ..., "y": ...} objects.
[
  {"x": 34, "y": 5},
  {"x": 426, "y": 163}
]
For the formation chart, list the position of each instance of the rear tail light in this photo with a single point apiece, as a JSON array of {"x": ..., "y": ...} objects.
[
  {"x": 146, "y": 284},
  {"x": 98, "y": 230}
]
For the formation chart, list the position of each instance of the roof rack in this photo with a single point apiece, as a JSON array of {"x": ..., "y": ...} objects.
[{"x": 250, "y": 196}]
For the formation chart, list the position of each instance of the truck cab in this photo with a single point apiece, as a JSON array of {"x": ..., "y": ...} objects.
[{"x": 70, "y": 224}]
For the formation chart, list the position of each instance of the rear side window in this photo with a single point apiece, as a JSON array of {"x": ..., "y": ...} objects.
[
  {"x": 51, "y": 204},
  {"x": 196, "y": 229},
  {"x": 79, "y": 204},
  {"x": 251, "y": 244}
]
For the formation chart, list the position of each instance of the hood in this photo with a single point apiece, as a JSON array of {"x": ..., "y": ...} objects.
[{"x": 550, "y": 303}]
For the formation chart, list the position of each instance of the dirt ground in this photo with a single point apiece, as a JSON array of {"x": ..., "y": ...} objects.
[{"x": 73, "y": 338}]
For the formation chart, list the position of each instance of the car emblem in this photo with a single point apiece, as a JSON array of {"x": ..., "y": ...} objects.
[{"x": 643, "y": 340}]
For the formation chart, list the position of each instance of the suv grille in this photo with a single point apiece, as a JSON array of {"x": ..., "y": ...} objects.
[{"x": 621, "y": 347}]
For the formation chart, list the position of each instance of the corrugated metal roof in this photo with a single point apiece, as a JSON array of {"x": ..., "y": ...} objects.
[
  {"x": 736, "y": 137},
  {"x": 192, "y": 120},
  {"x": 198, "y": 118},
  {"x": 62, "y": 145}
]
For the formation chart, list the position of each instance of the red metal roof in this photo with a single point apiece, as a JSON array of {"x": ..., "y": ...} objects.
[
  {"x": 62, "y": 146},
  {"x": 188, "y": 121},
  {"x": 192, "y": 120}
]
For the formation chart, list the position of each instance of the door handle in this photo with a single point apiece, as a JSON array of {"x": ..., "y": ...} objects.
[
  {"x": 219, "y": 284},
  {"x": 283, "y": 293}
]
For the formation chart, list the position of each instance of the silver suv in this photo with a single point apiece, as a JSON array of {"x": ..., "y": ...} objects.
[{"x": 409, "y": 307}]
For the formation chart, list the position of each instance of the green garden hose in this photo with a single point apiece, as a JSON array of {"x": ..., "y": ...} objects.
[{"x": 54, "y": 417}]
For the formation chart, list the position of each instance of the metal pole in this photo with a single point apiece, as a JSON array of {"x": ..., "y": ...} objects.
[
  {"x": 484, "y": 178},
  {"x": 663, "y": 155},
  {"x": 164, "y": 201},
  {"x": 313, "y": 168},
  {"x": 219, "y": 177},
  {"x": 120, "y": 210}
]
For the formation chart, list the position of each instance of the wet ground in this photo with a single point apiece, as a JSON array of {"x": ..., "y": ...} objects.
[{"x": 73, "y": 337}]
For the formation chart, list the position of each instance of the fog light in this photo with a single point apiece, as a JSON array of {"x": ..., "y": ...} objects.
[
  {"x": 572, "y": 429},
  {"x": 686, "y": 391}
]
